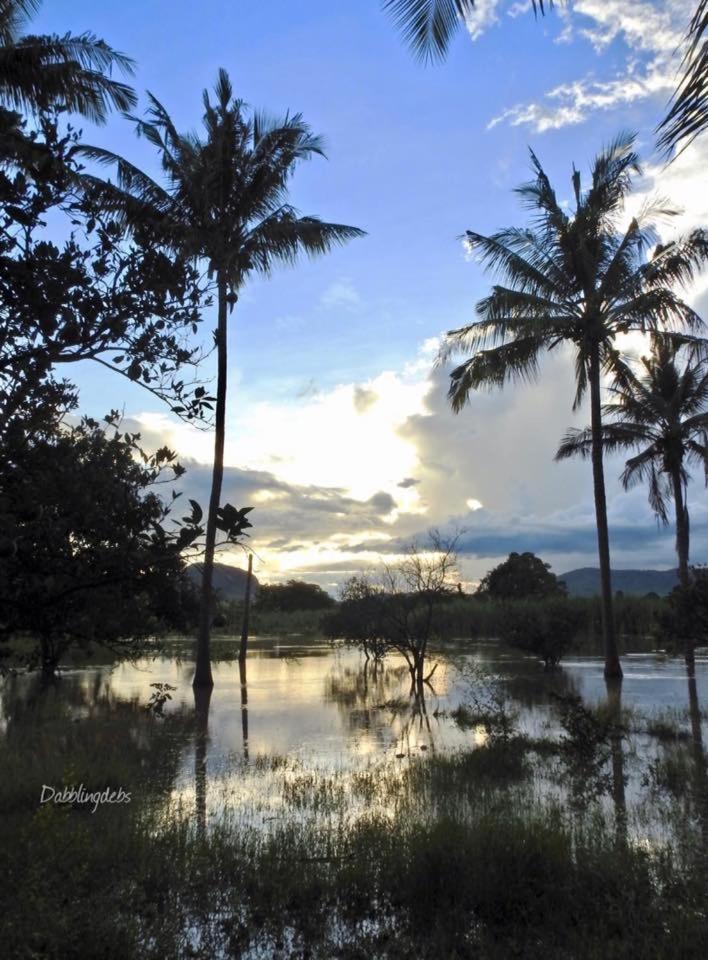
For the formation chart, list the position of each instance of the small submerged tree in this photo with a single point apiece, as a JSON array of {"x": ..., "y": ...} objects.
[
  {"x": 224, "y": 202},
  {"x": 578, "y": 278},
  {"x": 397, "y": 610}
]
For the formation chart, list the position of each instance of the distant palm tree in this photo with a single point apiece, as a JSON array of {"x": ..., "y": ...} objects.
[
  {"x": 687, "y": 116},
  {"x": 39, "y": 72},
  {"x": 664, "y": 413},
  {"x": 225, "y": 202},
  {"x": 576, "y": 278},
  {"x": 428, "y": 26}
]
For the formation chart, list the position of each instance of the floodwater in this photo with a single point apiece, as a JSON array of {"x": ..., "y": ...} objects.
[{"x": 321, "y": 709}]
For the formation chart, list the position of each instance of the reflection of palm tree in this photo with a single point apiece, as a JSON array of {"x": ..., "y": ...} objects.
[
  {"x": 576, "y": 278},
  {"x": 699, "y": 756},
  {"x": 244, "y": 707},
  {"x": 614, "y": 703},
  {"x": 225, "y": 202},
  {"x": 662, "y": 412},
  {"x": 202, "y": 700}
]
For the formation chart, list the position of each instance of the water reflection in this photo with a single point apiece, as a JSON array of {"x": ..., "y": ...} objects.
[
  {"x": 699, "y": 756},
  {"x": 331, "y": 710},
  {"x": 614, "y": 705},
  {"x": 202, "y": 701},
  {"x": 244, "y": 705}
]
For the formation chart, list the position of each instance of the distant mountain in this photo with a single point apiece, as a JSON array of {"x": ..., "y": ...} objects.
[
  {"x": 229, "y": 582},
  {"x": 585, "y": 582}
]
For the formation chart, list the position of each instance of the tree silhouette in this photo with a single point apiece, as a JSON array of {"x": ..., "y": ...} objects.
[
  {"x": 224, "y": 201},
  {"x": 576, "y": 278}
]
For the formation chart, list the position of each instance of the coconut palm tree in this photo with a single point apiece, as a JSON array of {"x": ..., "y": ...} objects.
[
  {"x": 575, "y": 277},
  {"x": 39, "y": 72},
  {"x": 687, "y": 116},
  {"x": 663, "y": 413},
  {"x": 428, "y": 26},
  {"x": 223, "y": 202}
]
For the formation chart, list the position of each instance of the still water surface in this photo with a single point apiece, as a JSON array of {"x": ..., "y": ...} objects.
[{"x": 325, "y": 711}]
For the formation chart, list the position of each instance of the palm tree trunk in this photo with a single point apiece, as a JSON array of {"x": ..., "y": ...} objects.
[
  {"x": 682, "y": 536},
  {"x": 682, "y": 545},
  {"x": 612, "y": 662},
  {"x": 202, "y": 673}
]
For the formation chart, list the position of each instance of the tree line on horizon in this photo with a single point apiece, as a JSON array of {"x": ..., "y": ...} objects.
[{"x": 144, "y": 258}]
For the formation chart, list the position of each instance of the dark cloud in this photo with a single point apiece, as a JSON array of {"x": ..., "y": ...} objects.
[
  {"x": 408, "y": 482},
  {"x": 285, "y": 514}
]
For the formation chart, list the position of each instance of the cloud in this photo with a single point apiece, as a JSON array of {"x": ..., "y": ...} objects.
[
  {"x": 646, "y": 32},
  {"x": 572, "y": 103},
  {"x": 364, "y": 399},
  {"x": 334, "y": 490},
  {"x": 482, "y": 17},
  {"x": 307, "y": 390},
  {"x": 340, "y": 293}
]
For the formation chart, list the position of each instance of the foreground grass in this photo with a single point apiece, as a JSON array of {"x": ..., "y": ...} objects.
[
  {"x": 447, "y": 857},
  {"x": 505, "y": 884}
]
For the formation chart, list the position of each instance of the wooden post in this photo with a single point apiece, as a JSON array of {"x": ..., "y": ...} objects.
[{"x": 246, "y": 611}]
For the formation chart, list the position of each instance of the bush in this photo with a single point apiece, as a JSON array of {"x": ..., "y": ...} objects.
[{"x": 546, "y": 628}]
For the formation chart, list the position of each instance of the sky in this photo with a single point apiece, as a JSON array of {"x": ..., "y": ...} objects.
[{"x": 339, "y": 433}]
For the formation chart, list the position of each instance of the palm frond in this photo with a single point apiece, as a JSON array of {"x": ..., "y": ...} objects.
[
  {"x": 428, "y": 26},
  {"x": 75, "y": 71},
  {"x": 687, "y": 116},
  {"x": 510, "y": 363}
]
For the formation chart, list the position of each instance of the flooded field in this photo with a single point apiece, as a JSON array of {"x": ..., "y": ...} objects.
[
  {"x": 304, "y": 709},
  {"x": 311, "y": 806}
]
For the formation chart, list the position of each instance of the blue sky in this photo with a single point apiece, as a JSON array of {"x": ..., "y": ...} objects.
[{"x": 416, "y": 155}]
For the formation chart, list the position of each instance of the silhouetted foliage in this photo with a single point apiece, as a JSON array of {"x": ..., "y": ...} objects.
[
  {"x": 224, "y": 202},
  {"x": 521, "y": 576},
  {"x": 683, "y": 625},
  {"x": 546, "y": 627},
  {"x": 293, "y": 595},
  {"x": 127, "y": 303},
  {"x": 74, "y": 71},
  {"x": 660, "y": 413},
  {"x": 687, "y": 116},
  {"x": 86, "y": 555},
  {"x": 578, "y": 277},
  {"x": 428, "y": 26},
  {"x": 398, "y": 610}
]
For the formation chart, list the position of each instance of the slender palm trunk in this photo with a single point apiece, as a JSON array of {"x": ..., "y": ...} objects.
[
  {"x": 682, "y": 545},
  {"x": 202, "y": 673},
  {"x": 612, "y": 662},
  {"x": 682, "y": 535}
]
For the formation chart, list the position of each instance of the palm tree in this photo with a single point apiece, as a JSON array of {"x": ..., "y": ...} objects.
[
  {"x": 687, "y": 116},
  {"x": 428, "y": 26},
  {"x": 224, "y": 202},
  {"x": 575, "y": 278},
  {"x": 39, "y": 72},
  {"x": 662, "y": 413}
]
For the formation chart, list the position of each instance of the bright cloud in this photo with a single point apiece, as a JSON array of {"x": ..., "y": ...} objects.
[
  {"x": 340, "y": 480},
  {"x": 649, "y": 34}
]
